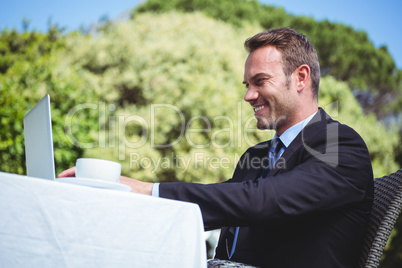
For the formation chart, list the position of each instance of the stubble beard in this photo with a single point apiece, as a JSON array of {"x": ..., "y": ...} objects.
[
  {"x": 270, "y": 121},
  {"x": 278, "y": 116}
]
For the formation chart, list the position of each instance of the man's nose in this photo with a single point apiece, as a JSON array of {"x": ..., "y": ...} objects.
[{"x": 251, "y": 95}]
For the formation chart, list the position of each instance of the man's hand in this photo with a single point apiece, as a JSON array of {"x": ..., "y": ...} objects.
[
  {"x": 136, "y": 185},
  {"x": 67, "y": 173}
]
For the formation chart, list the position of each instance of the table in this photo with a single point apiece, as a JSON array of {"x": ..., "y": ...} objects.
[{"x": 52, "y": 224}]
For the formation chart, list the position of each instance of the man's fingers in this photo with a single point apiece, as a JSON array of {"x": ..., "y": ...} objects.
[{"x": 67, "y": 173}]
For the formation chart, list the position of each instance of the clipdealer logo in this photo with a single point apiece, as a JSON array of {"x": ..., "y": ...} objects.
[{"x": 112, "y": 133}]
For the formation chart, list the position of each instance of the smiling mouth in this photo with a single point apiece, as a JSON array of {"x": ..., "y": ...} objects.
[{"x": 256, "y": 109}]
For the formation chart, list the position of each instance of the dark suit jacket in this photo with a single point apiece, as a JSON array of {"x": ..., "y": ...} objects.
[{"x": 310, "y": 211}]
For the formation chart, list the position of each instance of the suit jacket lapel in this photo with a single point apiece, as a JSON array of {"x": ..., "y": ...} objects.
[
  {"x": 248, "y": 167},
  {"x": 318, "y": 122}
]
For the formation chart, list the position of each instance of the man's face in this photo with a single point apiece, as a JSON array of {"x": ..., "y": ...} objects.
[{"x": 272, "y": 98}]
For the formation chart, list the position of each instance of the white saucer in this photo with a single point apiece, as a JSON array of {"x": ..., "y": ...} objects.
[{"x": 95, "y": 183}]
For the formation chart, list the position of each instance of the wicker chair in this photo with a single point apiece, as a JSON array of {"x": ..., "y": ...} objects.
[
  {"x": 386, "y": 209},
  {"x": 216, "y": 263}
]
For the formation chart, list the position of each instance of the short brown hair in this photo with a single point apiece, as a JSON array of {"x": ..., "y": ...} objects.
[{"x": 295, "y": 48}]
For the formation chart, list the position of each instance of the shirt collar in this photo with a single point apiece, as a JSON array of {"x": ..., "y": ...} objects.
[{"x": 290, "y": 134}]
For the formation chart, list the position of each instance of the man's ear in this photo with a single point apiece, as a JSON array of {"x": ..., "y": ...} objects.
[{"x": 302, "y": 77}]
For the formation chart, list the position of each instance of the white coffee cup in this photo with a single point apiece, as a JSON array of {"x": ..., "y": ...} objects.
[{"x": 99, "y": 169}]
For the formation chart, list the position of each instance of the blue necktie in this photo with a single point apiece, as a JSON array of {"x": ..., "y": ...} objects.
[
  {"x": 267, "y": 164},
  {"x": 273, "y": 156}
]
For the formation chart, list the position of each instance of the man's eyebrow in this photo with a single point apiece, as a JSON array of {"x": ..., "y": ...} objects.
[{"x": 256, "y": 76}]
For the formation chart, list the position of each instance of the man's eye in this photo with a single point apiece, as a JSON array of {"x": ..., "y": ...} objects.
[{"x": 260, "y": 81}]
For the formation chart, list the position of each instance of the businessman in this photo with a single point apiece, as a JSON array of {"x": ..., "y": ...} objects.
[{"x": 301, "y": 199}]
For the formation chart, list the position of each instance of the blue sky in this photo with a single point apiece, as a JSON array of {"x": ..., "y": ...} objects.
[{"x": 381, "y": 19}]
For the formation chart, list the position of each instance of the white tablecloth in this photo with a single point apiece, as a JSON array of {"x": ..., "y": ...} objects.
[{"x": 52, "y": 224}]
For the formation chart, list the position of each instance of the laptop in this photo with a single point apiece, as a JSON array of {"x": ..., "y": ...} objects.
[
  {"x": 39, "y": 149},
  {"x": 39, "y": 141}
]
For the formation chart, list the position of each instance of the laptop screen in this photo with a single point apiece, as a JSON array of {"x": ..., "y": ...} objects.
[{"x": 38, "y": 141}]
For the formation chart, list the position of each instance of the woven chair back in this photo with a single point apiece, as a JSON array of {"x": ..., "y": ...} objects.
[{"x": 386, "y": 209}]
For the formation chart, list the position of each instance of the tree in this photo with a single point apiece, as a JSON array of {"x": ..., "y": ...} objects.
[
  {"x": 371, "y": 72},
  {"x": 23, "y": 61},
  {"x": 28, "y": 70}
]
